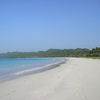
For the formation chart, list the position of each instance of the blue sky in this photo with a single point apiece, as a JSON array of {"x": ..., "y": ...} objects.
[{"x": 33, "y": 25}]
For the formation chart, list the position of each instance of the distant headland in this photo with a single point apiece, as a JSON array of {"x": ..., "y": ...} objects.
[{"x": 78, "y": 52}]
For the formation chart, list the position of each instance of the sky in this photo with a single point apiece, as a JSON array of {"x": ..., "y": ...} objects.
[{"x": 34, "y": 25}]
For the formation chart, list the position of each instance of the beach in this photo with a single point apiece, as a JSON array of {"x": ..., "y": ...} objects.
[{"x": 76, "y": 79}]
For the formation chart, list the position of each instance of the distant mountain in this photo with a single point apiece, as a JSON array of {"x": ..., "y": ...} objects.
[{"x": 48, "y": 53}]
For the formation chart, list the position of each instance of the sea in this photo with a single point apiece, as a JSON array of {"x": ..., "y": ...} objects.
[{"x": 17, "y": 67}]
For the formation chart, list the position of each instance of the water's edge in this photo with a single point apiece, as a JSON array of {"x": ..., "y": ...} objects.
[{"x": 33, "y": 71}]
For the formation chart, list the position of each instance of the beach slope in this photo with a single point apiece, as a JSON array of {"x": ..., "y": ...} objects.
[{"x": 77, "y": 79}]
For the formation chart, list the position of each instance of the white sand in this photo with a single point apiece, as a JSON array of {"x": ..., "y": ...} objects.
[{"x": 77, "y": 79}]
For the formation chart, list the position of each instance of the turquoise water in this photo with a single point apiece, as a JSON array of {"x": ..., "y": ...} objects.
[{"x": 10, "y": 68}]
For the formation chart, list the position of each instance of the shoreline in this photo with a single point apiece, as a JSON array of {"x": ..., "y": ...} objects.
[
  {"x": 31, "y": 71},
  {"x": 76, "y": 79}
]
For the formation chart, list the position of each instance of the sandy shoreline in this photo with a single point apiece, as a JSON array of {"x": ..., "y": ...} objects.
[
  {"x": 31, "y": 71},
  {"x": 77, "y": 79}
]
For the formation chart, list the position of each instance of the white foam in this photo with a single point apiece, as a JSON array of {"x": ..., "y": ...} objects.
[{"x": 38, "y": 68}]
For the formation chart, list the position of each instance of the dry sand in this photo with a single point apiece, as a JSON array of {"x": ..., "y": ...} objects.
[{"x": 77, "y": 79}]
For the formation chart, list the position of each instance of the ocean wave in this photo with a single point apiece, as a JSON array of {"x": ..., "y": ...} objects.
[
  {"x": 31, "y": 70},
  {"x": 38, "y": 69}
]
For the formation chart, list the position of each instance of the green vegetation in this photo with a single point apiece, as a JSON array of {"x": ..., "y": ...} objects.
[
  {"x": 94, "y": 52},
  {"x": 79, "y": 52}
]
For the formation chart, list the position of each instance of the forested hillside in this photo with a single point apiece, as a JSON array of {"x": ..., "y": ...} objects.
[
  {"x": 54, "y": 53},
  {"x": 48, "y": 53}
]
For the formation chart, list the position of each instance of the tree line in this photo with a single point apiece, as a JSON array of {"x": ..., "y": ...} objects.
[
  {"x": 95, "y": 52},
  {"x": 79, "y": 52}
]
